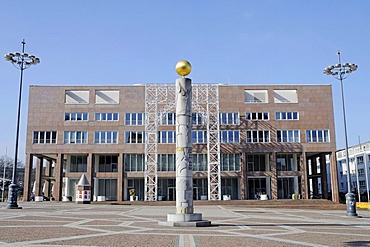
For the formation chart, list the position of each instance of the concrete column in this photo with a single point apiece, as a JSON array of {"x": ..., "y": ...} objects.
[
  {"x": 58, "y": 171},
  {"x": 304, "y": 171},
  {"x": 47, "y": 174},
  {"x": 243, "y": 179},
  {"x": 324, "y": 176},
  {"x": 38, "y": 177},
  {"x": 90, "y": 172},
  {"x": 120, "y": 179},
  {"x": 274, "y": 176},
  {"x": 334, "y": 178},
  {"x": 27, "y": 177}
]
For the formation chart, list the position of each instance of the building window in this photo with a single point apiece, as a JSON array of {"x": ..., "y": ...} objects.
[
  {"x": 134, "y": 137},
  {"x": 229, "y": 118},
  {"x": 106, "y": 96},
  {"x": 286, "y": 162},
  {"x": 362, "y": 184},
  {"x": 197, "y": 118},
  {"x": 135, "y": 118},
  {"x": 317, "y": 136},
  {"x": 78, "y": 163},
  {"x": 76, "y": 116},
  {"x": 199, "y": 136},
  {"x": 360, "y": 159},
  {"x": 75, "y": 137},
  {"x": 166, "y": 162},
  {"x": 285, "y": 96},
  {"x": 106, "y": 137},
  {"x": 256, "y": 136},
  {"x": 230, "y": 162},
  {"x": 200, "y": 162},
  {"x": 361, "y": 172},
  {"x": 76, "y": 96},
  {"x": 167, "y": 137},
  {"x": 255, "y": 96},
  {"x": 256, "y": 162},
  {"x": 257, "y": 116},
  {"x": 134, "y": 162},
  {"x": 108, "y": 163},
  {"x": 229, "y": 136},
  {"x": 44, "y": 137},
  {"x": 291, "y": 115},
  {"x": 104, "y": 116},
  {"x": 168, "y": 118},
  {"x": 287, "y": 136}
]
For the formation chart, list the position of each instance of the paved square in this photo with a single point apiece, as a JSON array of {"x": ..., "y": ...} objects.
[{"x": 70, "y": 224}]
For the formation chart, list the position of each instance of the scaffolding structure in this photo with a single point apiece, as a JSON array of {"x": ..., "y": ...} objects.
[{"x": 160, "y": 99}]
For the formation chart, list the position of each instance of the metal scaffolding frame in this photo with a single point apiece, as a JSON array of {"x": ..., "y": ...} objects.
[{"x": 160, "y": 99}]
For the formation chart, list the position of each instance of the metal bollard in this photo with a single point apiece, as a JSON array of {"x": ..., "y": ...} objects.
[{"x": 351, "y": 204}]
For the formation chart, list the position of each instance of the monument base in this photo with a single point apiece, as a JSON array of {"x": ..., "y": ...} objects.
[{"x": 185, "y": 220}]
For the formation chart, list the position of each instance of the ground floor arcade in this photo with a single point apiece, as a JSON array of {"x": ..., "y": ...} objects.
[{"x": 244, "y": 176}]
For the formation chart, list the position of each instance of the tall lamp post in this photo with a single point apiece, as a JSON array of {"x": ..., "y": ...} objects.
[
  {"x": 340, "y": 72},
  {"x": 21, "y": 61}
]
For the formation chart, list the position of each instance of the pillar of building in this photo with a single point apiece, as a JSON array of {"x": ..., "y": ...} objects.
[
  {"x": 334, "y": 178},
  {"x": 47, "y": 175},
  {"x": 324, "y": 176},
  {"x": 303, "y": 169},
  {"x": 274, "y": 176},
  {"x": 120, "y": 178},
  {"x": 58, "y": 172},
  {"x": 27, "y": 177},
  {"x": 243, "y": 179},
  {"x": 90, "y": 173},
  {"x": 38, "y": 177}
]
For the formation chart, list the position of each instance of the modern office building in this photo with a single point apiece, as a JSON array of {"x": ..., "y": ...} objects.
[
  {"x": 359, "y": 165},
  {"x": 248, "y": 141}
]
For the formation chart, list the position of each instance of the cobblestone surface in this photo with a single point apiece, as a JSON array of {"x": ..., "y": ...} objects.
[{"x": 70, "y": 224}]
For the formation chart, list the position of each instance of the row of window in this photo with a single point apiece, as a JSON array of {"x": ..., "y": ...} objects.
[
  {"x": 167, "y": 162},
  {"x": 134, "y": 118},
  {"x": 167, "y": 137}
]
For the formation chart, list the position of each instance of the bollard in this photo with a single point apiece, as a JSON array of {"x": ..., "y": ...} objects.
[{"x": 351, "y": 204}]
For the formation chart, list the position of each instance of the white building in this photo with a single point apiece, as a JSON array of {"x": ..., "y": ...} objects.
[{"x": 359, "y": 165}]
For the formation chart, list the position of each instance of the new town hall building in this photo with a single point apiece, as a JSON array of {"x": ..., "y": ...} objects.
[{"x": 248, "y": 141}]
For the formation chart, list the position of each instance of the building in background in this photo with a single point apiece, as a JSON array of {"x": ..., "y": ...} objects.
[
  {"x": 248, "y": 141},
  {"x": 359, "y": 165}
]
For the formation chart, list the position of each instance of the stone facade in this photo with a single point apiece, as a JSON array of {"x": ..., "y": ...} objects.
[{"x": 267, "y": 162}]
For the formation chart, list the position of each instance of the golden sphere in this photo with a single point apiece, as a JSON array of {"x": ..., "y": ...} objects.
[{"x": 183, "y": 68}]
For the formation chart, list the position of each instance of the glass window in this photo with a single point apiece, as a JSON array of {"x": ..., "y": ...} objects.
[
  {"x": 256, "y": 162},
  {"x": 44, "y": 137},
  {"x": 317, "y": 136},
  {"x": 106, "y": 137},
  {"x": 75, "y": 116},
  {"x": 287, "y": 136},
  {"x": 230, "y": 162},
  {"x": 134, "y": 118},
  {"x": 134, "y": 162},
  {"x": 256, "y": 136},
  {"x": 134, "y": 137},
  {"x": 229, "y": 118},
  {"x": 75, "y": 137}
]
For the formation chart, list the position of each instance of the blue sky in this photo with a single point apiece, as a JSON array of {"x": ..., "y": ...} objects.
[{"x": 236, "y": 42}]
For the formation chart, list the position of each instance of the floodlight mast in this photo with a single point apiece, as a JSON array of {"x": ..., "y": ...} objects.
[
  {"x": 340, "y": 72},
  {"x": 21, "y": 61}
]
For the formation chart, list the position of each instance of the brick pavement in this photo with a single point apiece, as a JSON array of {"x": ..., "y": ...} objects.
[{"x": 70, "y": 224}]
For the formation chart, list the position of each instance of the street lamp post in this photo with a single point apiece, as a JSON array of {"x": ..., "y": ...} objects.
[
  {"x": 21, "y": 61},
  {"x": 340, "y": 72}
]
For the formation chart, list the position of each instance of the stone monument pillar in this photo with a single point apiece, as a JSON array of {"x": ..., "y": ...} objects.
[{"x": 185, "y": 215}]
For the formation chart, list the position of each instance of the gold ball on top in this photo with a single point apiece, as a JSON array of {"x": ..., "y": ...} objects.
[{"x": 183, "y": 68}]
